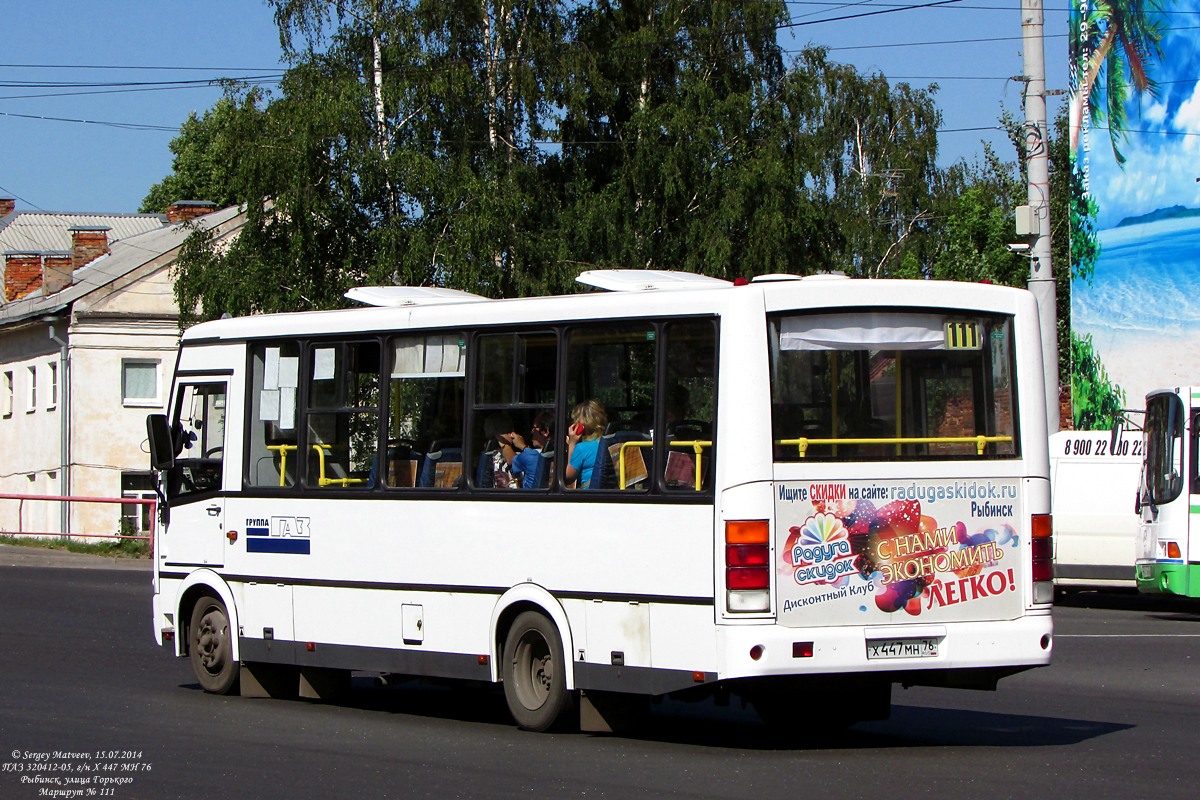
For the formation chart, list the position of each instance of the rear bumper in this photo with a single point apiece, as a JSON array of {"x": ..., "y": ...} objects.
[
  {"x": 1007, "y": 646},
  {"x": 1178, "y": 578}
]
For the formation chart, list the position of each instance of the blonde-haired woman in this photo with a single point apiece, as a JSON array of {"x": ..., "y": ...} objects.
[{"x": 588, "y": 420}]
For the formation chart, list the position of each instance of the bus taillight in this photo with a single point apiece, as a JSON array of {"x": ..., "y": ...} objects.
[
  {"x": 1042, "y": 529},
  {"x": 748, "y": 565}
]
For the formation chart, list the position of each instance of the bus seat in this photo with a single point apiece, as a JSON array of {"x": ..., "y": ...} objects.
[
  {"x": 689, "y": 429},
  {"x": 606, "y": 473},
  {"x": 541, "y": 471},
  {"x": 622, "y": 425},
  {"x": 484, "y": 470},
  {"x": 437, "y": 454}
]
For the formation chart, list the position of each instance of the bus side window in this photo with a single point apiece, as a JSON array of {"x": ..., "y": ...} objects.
[
  {"x": 689, "y": 404},
  {"x": 273, "y": 450},
  {"x": 426, "y": 386},
  {"x": 515, "y": 382},
  {"x": 343, "y": 415},
  {"x": 615, "y": 365}
]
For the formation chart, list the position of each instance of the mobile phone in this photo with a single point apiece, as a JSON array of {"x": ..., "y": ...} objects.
[{"x": 577, "y": 429}]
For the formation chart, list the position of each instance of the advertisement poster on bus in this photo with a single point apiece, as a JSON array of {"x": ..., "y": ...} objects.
[
  {"x": 875, "y": 552},
  {"x": 1134, "y": 112}
]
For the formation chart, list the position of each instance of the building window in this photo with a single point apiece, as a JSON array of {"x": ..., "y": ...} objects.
[
  {"x": 139, "y": 383},
  {"x": 136, "y": 518},
  {"x": 53, "y": 399},
  {"x": 6, "y": 395},
  {"x": 31, "y": 405}
]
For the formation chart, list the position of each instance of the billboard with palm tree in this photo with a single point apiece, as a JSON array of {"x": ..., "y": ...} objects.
[{"x": 1135, "y": 216}]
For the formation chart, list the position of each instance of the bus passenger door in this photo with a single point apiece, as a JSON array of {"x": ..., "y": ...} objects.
[{"x": 195, "y": 533}]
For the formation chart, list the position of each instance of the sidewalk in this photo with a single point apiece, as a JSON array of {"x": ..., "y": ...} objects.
[{"x": 16, "y": 556}]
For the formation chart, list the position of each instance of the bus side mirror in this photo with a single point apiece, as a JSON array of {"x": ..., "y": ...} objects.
[
  {"x": 162, "y": 448},
  {"x": 1118, "y": 431}
]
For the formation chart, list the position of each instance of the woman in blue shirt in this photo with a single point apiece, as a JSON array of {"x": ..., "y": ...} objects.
[{"x": 583, "y": 442}]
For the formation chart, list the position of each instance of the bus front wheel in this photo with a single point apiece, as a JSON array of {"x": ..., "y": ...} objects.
[
  {"x": 210, "y": 646},
  {"x": 534, "y": 672}
]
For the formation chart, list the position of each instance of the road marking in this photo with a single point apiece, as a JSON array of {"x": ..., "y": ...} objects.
[{"x": 1127, "y": 636}]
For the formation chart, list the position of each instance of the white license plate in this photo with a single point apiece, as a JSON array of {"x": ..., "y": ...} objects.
[{"x": 902, "y": 648}]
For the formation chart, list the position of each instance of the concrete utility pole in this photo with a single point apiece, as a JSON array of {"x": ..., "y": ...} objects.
[{"x": 1041, "y": 275}]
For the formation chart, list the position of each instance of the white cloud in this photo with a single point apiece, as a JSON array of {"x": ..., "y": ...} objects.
[
  {"x": 1154, "y": 114},
  {"x": 1187, "y": 118}
]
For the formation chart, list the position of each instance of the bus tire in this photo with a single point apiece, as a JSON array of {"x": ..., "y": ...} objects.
[
  {"x": 210, "y": 647},
  {"x": 534, "y": 673}
]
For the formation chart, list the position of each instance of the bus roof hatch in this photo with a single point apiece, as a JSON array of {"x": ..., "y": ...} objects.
[
  {"x": 402, "y": 296},
  {"x": 642, "y": 280}
]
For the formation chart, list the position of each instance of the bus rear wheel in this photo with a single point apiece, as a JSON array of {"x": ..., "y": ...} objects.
[
  {"x": 534, "y": 673},
  {"x": 210, "y": 646}
]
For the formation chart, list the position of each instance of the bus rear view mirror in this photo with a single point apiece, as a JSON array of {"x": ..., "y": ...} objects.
[
  {"x": 1118, "y": 430},
  {"x": 162, "y": 448}
]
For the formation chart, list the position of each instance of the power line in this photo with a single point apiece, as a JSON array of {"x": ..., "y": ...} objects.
[
  {"x": 44, "y": 95},
  {"x": 123, "y": 84},
  {"x": 942, "y": 42},
  {"x": 892, "y": 10},
  {"x": 135, "y": 67},
  {"x": 133, "y": 126},
  {"x": 22, "y": 199}
]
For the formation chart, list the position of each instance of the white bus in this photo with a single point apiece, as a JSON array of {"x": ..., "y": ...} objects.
[
  {"x": 1093, "y": 490},
  {"x": 805, "y": 490}
]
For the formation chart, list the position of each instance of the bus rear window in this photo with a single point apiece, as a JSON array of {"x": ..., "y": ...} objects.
[{"x": 872, "y": 384}]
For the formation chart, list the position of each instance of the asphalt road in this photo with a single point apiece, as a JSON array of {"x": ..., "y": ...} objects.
[{"x": 1116, "y": 716}]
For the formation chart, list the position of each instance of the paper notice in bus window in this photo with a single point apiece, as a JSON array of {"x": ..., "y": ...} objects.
[
  {"x": 634, "y": 464},
  {"x": 289, "y": 372},
  {"x": 271, "y": 368},
  {"x": 324, "y": 359},
  {"x": 268, "y": 405},
  {"x": 287, "y": 408}
]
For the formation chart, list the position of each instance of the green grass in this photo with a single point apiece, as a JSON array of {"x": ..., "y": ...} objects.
[{"x": 117, "y": 548}]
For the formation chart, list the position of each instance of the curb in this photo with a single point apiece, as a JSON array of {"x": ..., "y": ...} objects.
[{"x": 17, "y": 556}]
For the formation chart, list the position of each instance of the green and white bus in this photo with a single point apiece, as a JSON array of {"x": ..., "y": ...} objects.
[{"x": 1168, "y": 499}]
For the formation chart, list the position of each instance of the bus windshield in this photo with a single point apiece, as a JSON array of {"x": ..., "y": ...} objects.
[{"x": 874, "y": 384}]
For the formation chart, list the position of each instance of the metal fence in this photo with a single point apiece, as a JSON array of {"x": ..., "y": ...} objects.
[{"x": 21, "y": 499}]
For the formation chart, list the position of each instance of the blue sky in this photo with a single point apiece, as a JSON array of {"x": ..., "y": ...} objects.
[
  {"x": 71, "y": 145},
  {"x": 1162, "y": 149}
]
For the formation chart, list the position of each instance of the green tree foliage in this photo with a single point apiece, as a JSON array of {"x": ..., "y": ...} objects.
[
  {"x": 205, "y": 153},
  {"x": 1009, "y": 181},
  {"x": 975, "y": 208},
  {"x": 671, "y": 155},
  {"x": 1097, "y": 401},
  {"x": 500, "y": 146}
]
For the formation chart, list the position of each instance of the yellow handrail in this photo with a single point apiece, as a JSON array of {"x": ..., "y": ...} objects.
[
  {"x": 283, "y": 450},
  {"x": 324, "y": 481},
  {"x": 980, "y": 442}
]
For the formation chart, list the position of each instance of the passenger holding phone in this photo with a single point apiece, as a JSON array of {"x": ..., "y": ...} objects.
[{"x": 583, "y": 442}]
